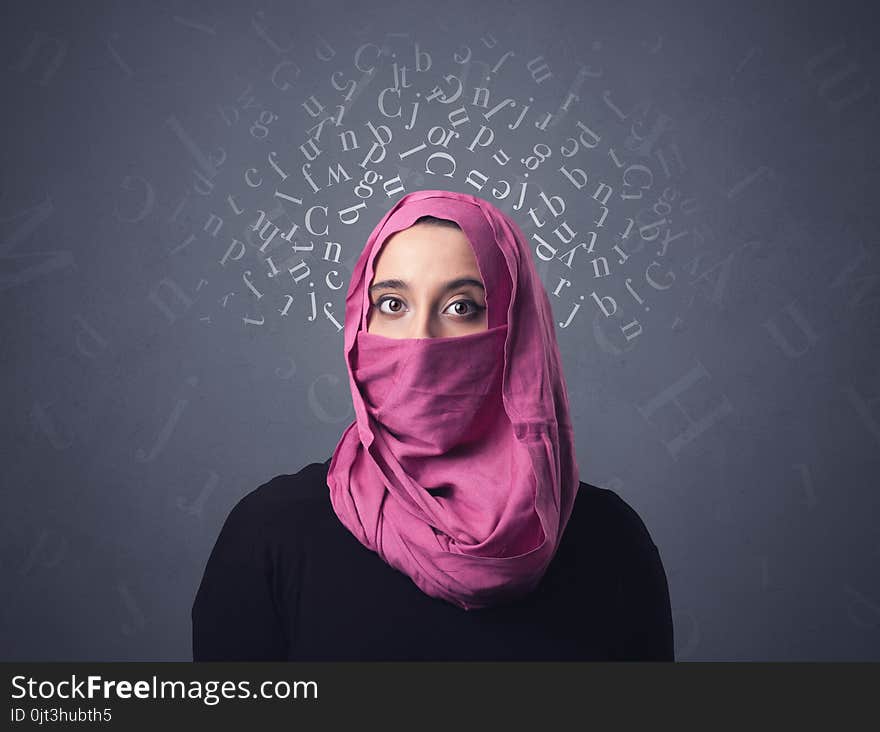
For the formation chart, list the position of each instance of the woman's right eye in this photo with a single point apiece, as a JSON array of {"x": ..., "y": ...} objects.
[{"x": 383, "y": 300}]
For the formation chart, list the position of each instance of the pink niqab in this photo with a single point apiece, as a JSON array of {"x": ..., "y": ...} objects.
[{"x": 459, "y": 468}]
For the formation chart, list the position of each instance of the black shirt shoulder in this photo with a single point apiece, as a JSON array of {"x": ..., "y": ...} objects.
[
  {"x": 237, "y": 613},
  {"x": 289, "y": 489},
  {"x": 603, "y": 522}
]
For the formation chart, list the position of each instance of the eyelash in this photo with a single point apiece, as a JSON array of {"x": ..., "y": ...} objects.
[{"x": 476, "y": 307}]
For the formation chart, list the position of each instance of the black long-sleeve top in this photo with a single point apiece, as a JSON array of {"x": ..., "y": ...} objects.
[{"x": 286, "y": 580}]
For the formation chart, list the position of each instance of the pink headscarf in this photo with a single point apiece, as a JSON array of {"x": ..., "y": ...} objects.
[{"x": 459, "y": 469}]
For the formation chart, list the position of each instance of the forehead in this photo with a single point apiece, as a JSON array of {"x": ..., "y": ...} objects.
[{"x": 425, "y": 245}]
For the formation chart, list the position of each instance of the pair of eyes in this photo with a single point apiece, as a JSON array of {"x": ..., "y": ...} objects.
[{"x": 474, "y": 308}]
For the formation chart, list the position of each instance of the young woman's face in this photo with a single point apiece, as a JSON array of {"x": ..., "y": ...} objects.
[{"x": 427, "y": 285}]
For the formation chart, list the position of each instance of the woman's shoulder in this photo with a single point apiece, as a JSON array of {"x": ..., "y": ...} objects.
[
  {"x": 603, "y": 514},
  {"x": 283, "y": 496},
  {"x": 239, "y": 608},
  {"x": 605, "y": 528}
]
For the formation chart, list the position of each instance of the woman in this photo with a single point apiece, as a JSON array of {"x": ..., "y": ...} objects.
[{"x": 450, "y": 522}]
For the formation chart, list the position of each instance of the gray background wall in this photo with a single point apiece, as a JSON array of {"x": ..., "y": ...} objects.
[{"x": 141, "y": 400}]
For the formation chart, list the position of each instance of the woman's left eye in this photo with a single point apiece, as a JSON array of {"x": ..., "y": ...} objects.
[{"x": 474, "y": 308}]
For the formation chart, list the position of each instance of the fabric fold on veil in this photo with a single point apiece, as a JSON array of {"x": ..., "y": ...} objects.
[{"x": 459, "y": 468}]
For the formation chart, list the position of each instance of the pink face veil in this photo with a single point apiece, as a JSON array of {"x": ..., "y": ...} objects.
[{"x": 459, "y": 468}]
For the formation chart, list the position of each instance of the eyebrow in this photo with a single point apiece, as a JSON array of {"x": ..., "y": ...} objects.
[{"x": 401, "y": 285}]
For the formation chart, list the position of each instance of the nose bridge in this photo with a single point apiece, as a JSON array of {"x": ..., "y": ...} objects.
[{"x": 423, "y": 323}]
